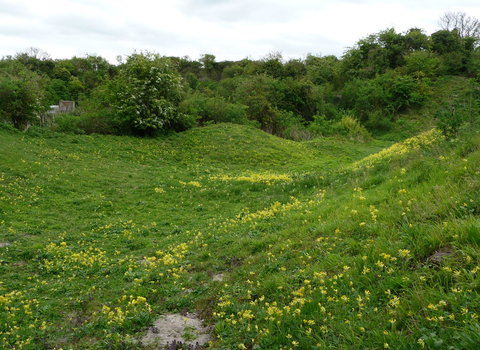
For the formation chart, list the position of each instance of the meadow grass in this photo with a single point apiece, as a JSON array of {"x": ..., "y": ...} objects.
[{"x": 322, "y": 244}]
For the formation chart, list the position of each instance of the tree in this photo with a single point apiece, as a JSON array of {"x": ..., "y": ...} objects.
[
  {"x": 379, "y": 52},
  {"x": 38, "y": 53},
  {"x": 208, "y": 64},
  {"x": 466, "y": 26},
  {"x": 36, "y": 60},
  {"x": 21, "y": 95},
  {"x": 91, "y": 70},
  {"x": 145, "y": 95},
  {"x": 447, "y": 41}
]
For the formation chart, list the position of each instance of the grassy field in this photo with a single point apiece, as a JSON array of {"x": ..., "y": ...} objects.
[{"x": 322, "y": 244}]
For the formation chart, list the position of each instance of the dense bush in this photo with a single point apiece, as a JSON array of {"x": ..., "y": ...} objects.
[
  {"x": 425, "y": 62},
  {"x": 21, "y": 95},
  {"x": 449, "y": 120},
  {"x": 377, "y": 100},
  {"x": 214, "y": 109},
  {"x": 144, "y": 96}
]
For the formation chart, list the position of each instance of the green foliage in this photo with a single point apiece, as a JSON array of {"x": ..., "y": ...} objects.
[
  {"x": 354, "y": 129},
  {"x": 91, "y": 70},
  {"x": 425, "y": 62},
  {"x": 69, "y": 123},
  {"x": 402, "y": 93},
  {"x": 457, "y": 53},
  {"x": 62, "y": 73},
  {"x": 208, "y": 64},
  {"x": 321, "y": 70},
  {"x": 295, "y": 68},
  {"x": 274, "y": 68},
  {"x": 261, "y": 94},
  {"x": 450, "y": 119},
  {"x": 347, "y": 126},
  {"x": 382, "y": 51},
  {"x": 324, "y": 127},
  {"x": 214, "y": 109},
  {"x": 145, "y": 95},
  {"x": 21, "y": 95},
  {"x": 376, "y": 101},
  {"x": 365, "y": 98},
  {"x": 36, "y": 60},
  {"x": 446, "y": 41},
  {"x": 8, "y": 127},
  {"x": 56, "y": 91},
  {"x": 382, "y": 79}
]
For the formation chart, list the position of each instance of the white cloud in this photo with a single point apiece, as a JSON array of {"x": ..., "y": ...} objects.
[{"x": 229, "y": 29}]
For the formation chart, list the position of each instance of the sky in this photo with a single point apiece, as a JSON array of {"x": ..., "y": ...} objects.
[{"x": 229, "y": 29}]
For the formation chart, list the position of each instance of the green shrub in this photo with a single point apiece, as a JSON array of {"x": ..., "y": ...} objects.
[
  {"x": 70, "y": 124},
  {"x": 450, "y": 119},
  {"x": 423, "y": 61},
  {"x": 8, "y": 127},
  {"x": 21, "y": 95},
  {"x": 214, "y": 109},
  {"x": 144, "y": 96},
  {"x": 325, "y": 127},
  {"x": 355, "y": 130}
]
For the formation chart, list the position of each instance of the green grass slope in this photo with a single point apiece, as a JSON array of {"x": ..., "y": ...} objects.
[{"x": 322, "y": 244}]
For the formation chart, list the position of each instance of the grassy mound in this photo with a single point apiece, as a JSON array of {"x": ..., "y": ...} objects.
[{"x": 322, "y": 244}]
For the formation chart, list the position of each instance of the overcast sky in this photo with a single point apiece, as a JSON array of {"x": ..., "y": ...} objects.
[{"x": 228, "y": 29}]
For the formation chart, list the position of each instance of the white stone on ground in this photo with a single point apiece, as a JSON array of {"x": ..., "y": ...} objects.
[{"x": 172, "y": 327}]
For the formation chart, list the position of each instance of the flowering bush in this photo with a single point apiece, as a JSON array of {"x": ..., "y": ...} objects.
[{"x": 145, "y": 95}]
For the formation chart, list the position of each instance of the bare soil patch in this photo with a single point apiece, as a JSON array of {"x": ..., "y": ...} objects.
[
  {"x": 175, "y": 327},
  {"x": 218, "y": 277},
  {"x": 438, "y": 256}
]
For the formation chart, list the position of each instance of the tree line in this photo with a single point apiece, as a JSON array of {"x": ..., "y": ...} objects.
[{"x": 363, "y": 91}]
